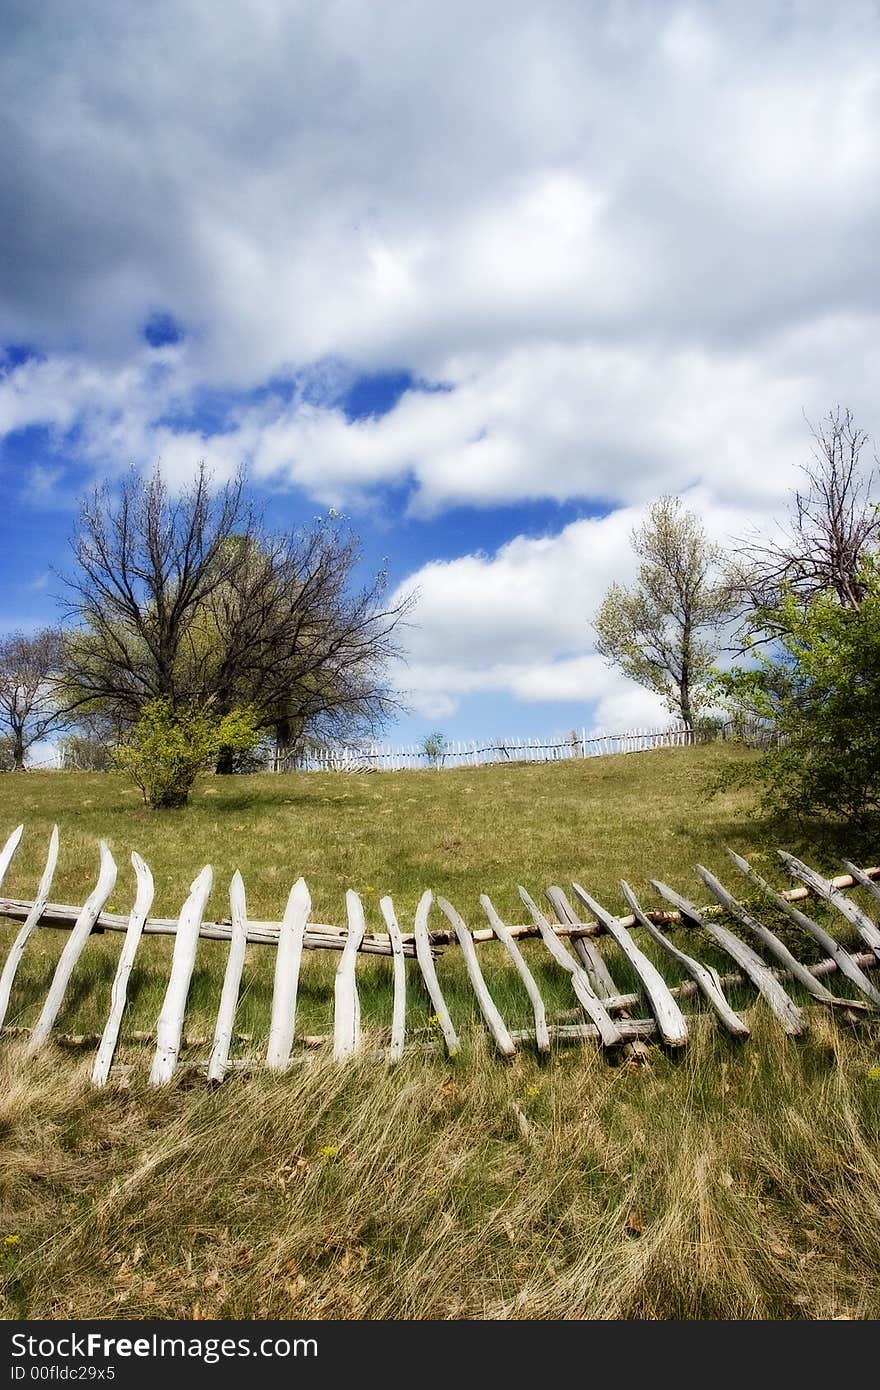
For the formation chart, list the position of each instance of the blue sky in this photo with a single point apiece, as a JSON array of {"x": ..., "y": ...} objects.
[{"x": 488, "y": 299}]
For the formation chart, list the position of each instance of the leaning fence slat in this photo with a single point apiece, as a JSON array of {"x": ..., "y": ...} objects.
[
  {"x": 16, "y": 950},
  {"x": 73, "y": 947},
  {"x": 851, "y": 911},
  {"x": 845, "y": 962},
  {"x": 776, "y": 947},
  {"x": 542, "y": 1035},
  {"x": 398, "y": 1012},
  {"x": 169, "y": 1026},
  {"x": 142, "y": 904},
  {"x": 591, "y": 956},
  {"x": 670, "y": 1019},
  {"x": 586, "y": 995},
  {"x": 789, "y": 1015},
  {"x": 346, "y": 1004},
  {"x": 706, "y": 977},
  {"x": 231, "y": 980},
  {"x": 429, "y": 974},
  {"x": 495, "y": 1023},
  {"x": 287, "y": 965},
  {"x": 8, "y": 851},
  {"x": 861, "y": 877}
]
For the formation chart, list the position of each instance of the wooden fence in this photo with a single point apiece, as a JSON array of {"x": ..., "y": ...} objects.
[
  {"x": 479, "y": 753},
  {"x": 387, "y": 757},
  {"x": 567, "y": 929}
]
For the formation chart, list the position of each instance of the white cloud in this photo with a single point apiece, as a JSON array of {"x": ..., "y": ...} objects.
[
  {"x": 614, "y": 423},
  {"x": 519, "y": 622},
  {"x": 634, "y": 241},
  {"x": 611, "y": 228}
]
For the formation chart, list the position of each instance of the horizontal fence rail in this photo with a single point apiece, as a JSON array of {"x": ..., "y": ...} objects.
[{"x": 601, "y": 1011}]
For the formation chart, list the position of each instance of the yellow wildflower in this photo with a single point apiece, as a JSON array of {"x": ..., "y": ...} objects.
[
  {"x": 12, "y": 1240},
  {"x": 328, "y": 1151},
  {"x": 874, "y": 1073},
  {"x": 532, "y": 1091}
]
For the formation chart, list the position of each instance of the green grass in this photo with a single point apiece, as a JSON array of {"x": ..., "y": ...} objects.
[
  {"x": 730, "y": 1181},
  {"x": 462, "y": 831}
]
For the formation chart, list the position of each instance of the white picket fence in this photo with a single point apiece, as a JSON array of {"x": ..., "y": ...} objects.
[{"x": 479, "y": 753}]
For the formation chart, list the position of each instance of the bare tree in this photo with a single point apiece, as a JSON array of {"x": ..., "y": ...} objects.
[
  {"x": 663, "y": 631},
  {"x": 832, "y": 526},
  {"x": 193, "y": 599},
  {"x": 29, "y": 704}
]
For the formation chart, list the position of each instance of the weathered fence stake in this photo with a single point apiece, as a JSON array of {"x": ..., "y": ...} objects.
[
  {"x": 169, "y": 1026},
  {"x": 496, "y": 1025},
  {"x": 16, "y": 950},
  {"x": 288, "y": 958},
  {"x": 347, "y": 1005},
  {"x": 785, "y": 1009},
  {"x": 705, "y": 977},
  {"x": 72, "y": 948},
  {"x": 231, "y": 980},
  {"x": 586, "y": 995},
  {"x": 542, "y": 1036},
  {"x": 670, "y": 1019},
  {"x": 9, "y": 849},
  {"x": 776, "y": 947},
  {"x": 142, "y": 904},
  {"x": 429, "y": 974},
  {"x": 591, "y": 957},
  {"x": 842, "y": 958},
  {"x": 398, "y": 1015},
  {"x": 851, "y": 911}
]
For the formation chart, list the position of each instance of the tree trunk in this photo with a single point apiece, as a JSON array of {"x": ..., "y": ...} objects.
[
  {"x": 684, "y": 686},
  {"x": 17, "y": 753},
  {"x": 225, "y": 763},
  {"x": 283, "y": 732}
]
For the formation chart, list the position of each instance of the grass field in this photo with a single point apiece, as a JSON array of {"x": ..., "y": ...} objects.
[{"x": 730, "y": 1181}]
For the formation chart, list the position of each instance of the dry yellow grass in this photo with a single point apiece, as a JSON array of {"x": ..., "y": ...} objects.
[{"x": 731, "y": 1181}]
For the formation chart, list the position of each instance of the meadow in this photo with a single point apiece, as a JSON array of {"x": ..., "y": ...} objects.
[{"x": 729, "y": 1180}]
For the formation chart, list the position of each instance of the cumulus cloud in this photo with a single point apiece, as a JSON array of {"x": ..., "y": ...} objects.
[
  {"x": 631, "y": 242},
  {"x": 635, "y": 240},
  {"x": 519, "y": 621}
]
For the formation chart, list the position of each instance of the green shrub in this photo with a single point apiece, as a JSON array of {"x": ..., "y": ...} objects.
[
  {"x": 171, "y": 743},
  {"x": 818, "y": 690}
]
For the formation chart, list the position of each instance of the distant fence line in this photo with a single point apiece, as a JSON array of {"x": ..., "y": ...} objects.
[
  {"x": 386, "y": 757},
  {"x": 480, "y": 753}
]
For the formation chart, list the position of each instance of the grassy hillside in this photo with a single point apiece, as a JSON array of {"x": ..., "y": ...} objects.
[
  {"x": 462, "y": 831},
  {"x": 729, "y": 1181}
]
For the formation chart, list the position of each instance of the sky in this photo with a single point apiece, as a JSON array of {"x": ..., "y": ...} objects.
[{"x": 486, "y": 279}]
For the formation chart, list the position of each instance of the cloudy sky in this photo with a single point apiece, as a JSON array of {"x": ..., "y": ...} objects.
[{"x": 486, "y": 277}]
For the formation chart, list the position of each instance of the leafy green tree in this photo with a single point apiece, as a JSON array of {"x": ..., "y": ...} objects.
[
  {"x": 819, "y": 691},
  {"x": 663, "y": 631},
  {"x": 170, "y": 744}
]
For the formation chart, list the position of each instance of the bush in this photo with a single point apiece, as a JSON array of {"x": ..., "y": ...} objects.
[
  {"x": 7, "y": 755},
  {"x": 170, "y": 744},
  {"x": 819, "y": 692}
]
